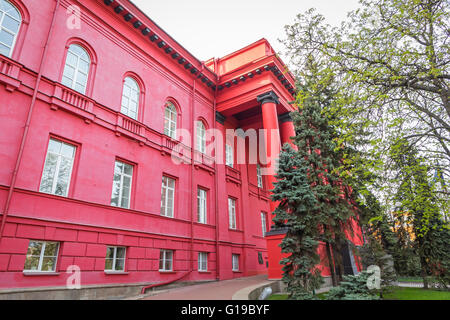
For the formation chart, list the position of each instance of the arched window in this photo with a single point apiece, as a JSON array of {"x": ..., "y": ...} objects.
[
  {"x": 76, "y": 69},
  {"x": 130, "y": 98},
  {"x": 170, "y": 120},
  {"x": 201, "y": 137},
  {"x": 10, "y": 21}
]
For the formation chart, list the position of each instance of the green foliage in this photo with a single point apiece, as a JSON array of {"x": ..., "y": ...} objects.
[
  {"x": 296, "y": 212},
  {"x": 415, "y": 195},
  {"x": 353, "y": 288},
  {"x": 313, "y": 202},
  {"x": 383, "y": 88}
]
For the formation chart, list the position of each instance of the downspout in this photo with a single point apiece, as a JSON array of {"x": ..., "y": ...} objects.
[
  {"x": 216, "y": 179},
  {"x": 27, "y": 124},
  {"x": 191, "y": 268},
  {"x": 193, "y": 194}
]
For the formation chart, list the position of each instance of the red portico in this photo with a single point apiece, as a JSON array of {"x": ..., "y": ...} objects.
[{"x": 107, "y": 163}]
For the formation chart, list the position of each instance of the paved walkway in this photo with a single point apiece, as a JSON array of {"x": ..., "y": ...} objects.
[{"x": 236, "y": 289}]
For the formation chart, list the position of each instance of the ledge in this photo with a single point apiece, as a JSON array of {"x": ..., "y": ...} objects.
[
  {"x": 116, "y": 272},
  {"x": 253, "y": 292},
  {"x": 39, "y": 273}
]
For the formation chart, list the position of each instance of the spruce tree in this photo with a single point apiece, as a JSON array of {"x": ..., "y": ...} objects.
[
  {"x": 318, "y": 143},
  {"x": 313, "y": 202},
  {"x": 296, "y": 212}
]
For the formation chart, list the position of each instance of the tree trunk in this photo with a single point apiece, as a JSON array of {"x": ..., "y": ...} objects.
[
  {"x": 423, "y": 272},
  {"x": 331, "y": 264}
]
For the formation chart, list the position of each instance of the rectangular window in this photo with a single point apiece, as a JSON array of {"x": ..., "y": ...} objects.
[
  {"x": 235, "y": 261},
  {"x": 264, "y": 223},
  {"x": 201, "y": 206},
  {"x": 167, "y": 196},
  {"x": 115, "y": 259},
  {"x": 41, "y": 256},
  {"x": 229, "y": 155},
  {"x": 259, "y": 176},
  {"x": 202, "y": 261},
  {"x": 232, "y": 213},
  {"x": 166, "y": 260},
  {"x": 121, "y": 190},
  {"x": 58, "y": 168}
]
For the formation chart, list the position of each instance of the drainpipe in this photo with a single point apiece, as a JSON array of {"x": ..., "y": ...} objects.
[
  {"x": 27, "y": 124},
  {"x": 216, "y": 180},
  {"x": 194, "y": 89}
]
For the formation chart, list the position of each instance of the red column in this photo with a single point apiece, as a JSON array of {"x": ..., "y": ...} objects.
[
  {"x": 287, "y": 129},
  {"x": 269, "y": 103}
]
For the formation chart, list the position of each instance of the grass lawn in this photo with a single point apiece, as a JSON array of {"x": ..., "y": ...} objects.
[
  {"x": 397, "y": 293},
  {"x": 410, "y": 279},
  {"x": 285, "y": 296},
  {"x": 400, "y": 293},
  {"x": 278, "y": 297}
]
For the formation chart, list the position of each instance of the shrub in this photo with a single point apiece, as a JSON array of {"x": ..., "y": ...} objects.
[{"x": 353, "y": 288}]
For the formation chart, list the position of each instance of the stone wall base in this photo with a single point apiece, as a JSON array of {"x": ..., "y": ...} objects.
[{"x": 91, "y": 292}]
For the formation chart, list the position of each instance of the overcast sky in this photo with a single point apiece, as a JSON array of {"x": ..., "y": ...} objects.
[{"x": 215, "y": 28}]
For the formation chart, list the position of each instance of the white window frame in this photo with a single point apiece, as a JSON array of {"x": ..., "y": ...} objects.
[
  {"x": 170, "y": 120},
  {"x": 232, "y": 213},
  {"x": 86, "y": 58},
  {"x": 130, "y": 85},
  {"x": 166, "y": 259},
  {"x": 165, "y": 189},
  {"x": 229, "y": 155},
  {"x": 11, "y": 32},
  {"x": 259, "y": 176},
  {"x": 235, "y": 262},
  {"x": 115, "y": 258},
  {"x": 264, "y": 223},
  {"x": 41, "y": 256},
  {"x": 202, "y": 205},
  {"x": 201, "y": 136},
  {"x": 60, "y": 157},
  {"x": 203, "y": 261},
  {"x": 121, "y": 186}
]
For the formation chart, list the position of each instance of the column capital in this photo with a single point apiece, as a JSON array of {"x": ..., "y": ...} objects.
[
  {"x": 220, "y": 118},
  {"x": 268, "y": 97},
  {"x": 285, "y": 117}
]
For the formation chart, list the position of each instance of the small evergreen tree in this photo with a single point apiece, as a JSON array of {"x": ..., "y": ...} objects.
[
  {"x": 353, "y": 288},
  {"x": 296, "y": 211},
  {"x": 380, "y": 247}
]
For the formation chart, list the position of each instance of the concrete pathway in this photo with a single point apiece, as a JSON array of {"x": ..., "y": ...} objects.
[{"x": 235, "y": 289}]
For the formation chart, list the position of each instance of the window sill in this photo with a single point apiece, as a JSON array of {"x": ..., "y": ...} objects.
[
  {"x": 237, "y": 271},
  {"x": 116, "y": 272},
  {"x": 40, "y": 273},
  {"x": 206, "y": 272},
  {"x": 167, "y": 271}
]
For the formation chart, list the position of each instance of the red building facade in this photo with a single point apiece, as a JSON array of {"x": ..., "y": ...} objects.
[{"x": 93, "y": 99}]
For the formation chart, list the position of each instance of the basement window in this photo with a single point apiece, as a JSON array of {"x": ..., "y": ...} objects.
[{"x": 41, "y": 256}]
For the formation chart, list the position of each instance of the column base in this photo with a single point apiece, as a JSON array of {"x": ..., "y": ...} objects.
[{"x": 274, "y": 238}]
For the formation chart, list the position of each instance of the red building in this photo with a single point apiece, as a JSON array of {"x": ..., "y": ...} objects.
[{"x": 93, "y": 99}]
